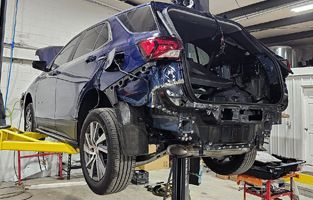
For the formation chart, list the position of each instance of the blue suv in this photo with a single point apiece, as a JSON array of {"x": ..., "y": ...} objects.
[{"x": 162, "y": 74}]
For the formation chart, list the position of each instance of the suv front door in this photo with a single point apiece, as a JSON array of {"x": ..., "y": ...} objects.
[{"x": 46, "y": 89}]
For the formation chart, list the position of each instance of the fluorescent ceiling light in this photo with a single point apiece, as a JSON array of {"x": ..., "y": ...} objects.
[{"x": 303, "y": 8}]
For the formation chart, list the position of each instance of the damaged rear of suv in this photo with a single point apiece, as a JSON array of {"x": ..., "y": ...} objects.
[
  {"x": 221, "y": 93},
  {"x": 193, "y": 84}
]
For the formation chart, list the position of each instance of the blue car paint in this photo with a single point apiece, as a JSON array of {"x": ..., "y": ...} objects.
[
  {"x": 127, "y": 43},
  {"x": 140, "y": 92}
]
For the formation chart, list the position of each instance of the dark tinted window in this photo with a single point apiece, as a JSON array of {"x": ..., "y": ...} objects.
[
  {"x": 197, "y": 54},
  {"x": 88, "y": 42},
  {"x": 139, "y": 20},
  {"x": 66, "y": 53},
  {"x": 103, "y": 36}
]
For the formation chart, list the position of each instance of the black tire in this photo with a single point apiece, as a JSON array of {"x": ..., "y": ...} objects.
[
  {"x": 231, "y": 165},
  {"x": 29, "y": 118},
  {"x": 118, "y": 167}
]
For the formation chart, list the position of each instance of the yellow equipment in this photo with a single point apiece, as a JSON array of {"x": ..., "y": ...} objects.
[{"x": 16, "y": 140}]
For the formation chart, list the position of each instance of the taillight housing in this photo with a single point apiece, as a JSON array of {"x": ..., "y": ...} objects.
[{"x": 159, "y": 48}]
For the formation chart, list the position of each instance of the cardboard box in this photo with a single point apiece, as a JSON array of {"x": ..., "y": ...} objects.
[
  {"x": 222, "y": 177},
  {"x": 233, "y": 178},
  {"x": 161, "y": 163}
]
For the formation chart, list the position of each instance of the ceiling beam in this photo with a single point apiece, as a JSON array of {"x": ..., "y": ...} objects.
[
  {"x": 132, "y": 3},
  {"x": 288, "y": 37},
  {"x": 255, "y": 8},
  {"x": 281, "y": 22}
]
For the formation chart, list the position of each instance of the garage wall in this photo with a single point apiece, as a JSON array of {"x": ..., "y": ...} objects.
[
  {"x": 289, "y": 138},
  {"x": 40, "y": 24}
]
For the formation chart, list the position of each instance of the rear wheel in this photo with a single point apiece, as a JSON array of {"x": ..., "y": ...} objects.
[
  {"x": 105, "y": 168},
  {"x": 29, "y": 118},
  {"x": 231, "y": 165}
]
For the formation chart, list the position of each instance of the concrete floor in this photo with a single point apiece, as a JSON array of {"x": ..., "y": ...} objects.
[{"x": 76, "y": 189}]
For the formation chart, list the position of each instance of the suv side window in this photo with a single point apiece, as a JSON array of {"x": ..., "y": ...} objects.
[
  {"x": 139, "y": 20},
  {"x": 87, "y": 43},
  {"x": 197, "y": 54},
  {"x": 103, "y": 36},
  {"x": 65, "y": 55}
]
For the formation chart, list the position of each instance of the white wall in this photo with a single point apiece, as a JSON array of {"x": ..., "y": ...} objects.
[
  {"x": 289, "y": 138},
  {"x": 42, "y": 23}
]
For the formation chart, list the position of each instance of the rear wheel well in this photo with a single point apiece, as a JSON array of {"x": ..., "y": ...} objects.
[{"x": 92, "y": 99}]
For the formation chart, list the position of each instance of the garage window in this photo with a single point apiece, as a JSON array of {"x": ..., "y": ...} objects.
[{"x": 139, "y": 20}]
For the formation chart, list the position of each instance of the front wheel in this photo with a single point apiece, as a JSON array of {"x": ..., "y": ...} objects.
[
  {"x": 105, "y": 168},
  {"x": 29, "y": 118},
  {"x": 231, "y": 165}
]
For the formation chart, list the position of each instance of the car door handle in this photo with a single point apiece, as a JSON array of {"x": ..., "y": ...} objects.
[
  {"x": 91, "y": 59},
  {"x": 54, "y": 73}
]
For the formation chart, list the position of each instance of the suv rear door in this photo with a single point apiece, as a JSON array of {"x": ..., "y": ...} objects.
[{"x": 74, "y": 75}]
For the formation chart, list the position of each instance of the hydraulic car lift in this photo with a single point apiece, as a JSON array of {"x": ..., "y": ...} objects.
[
  {"x": 16, "y": 140},
  {"x": 180, "y": 183}
]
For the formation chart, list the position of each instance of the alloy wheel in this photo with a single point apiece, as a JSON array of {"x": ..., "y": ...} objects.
[
  {"x": 28, "y": 121},
  {"x": 95, "y": 151}
]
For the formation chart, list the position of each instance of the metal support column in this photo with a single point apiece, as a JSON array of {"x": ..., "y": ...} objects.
[
  {"x": 180, "y": 169},
  {"x": 2, "y": 30}
]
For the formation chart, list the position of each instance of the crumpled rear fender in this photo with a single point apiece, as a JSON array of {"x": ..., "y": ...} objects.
[{"x": 141, "y": 91}]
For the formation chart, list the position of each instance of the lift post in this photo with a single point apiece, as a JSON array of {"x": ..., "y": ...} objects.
[
  {"x": 180, "y": 183},
  {"x": 3, "y": 6}
]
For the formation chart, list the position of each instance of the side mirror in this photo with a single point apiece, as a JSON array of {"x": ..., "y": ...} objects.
[{"x": 40, "y": 65}]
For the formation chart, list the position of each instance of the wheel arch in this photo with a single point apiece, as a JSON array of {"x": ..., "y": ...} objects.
[
  {"x": 93, "y": 98},
  {"x": 28, "y": 99}
]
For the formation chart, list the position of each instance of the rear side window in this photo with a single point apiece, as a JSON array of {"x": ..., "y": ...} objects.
[
  {"x": 88, "y": 42},
  {"x": 197, "y": 54},
  {"x": 139, "y": 20},
  {"x": 65, "y": 55},
  {"x": 103, "y": 36}
]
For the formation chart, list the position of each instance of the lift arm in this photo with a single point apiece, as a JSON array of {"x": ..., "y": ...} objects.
[{"x": 16, "y": 140}]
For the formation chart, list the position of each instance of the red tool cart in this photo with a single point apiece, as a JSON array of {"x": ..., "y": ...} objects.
[
  {"x": 262, "y": 178},
  {"x": 255, "y": 186}
]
